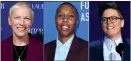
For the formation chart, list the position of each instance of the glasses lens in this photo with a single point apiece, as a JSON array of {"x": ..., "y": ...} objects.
[{"x": 112, "y": 19}]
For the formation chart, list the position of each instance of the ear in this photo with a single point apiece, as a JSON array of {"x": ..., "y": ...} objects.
[
  {"x": 76, "y": 23},
  {"x": 122, "y": 23},
  {"x": 32, "y": 22},
  {"x": 9, "y": 21}
]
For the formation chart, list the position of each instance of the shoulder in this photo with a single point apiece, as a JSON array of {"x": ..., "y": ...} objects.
[
  {"x": 35, "y": 40},
  {"x": 35, "y": 43},
  {"x": 6, "y": 45},
  {"x": 7, "y": 41},
  {"x": 126, "y": 41},
  {"x": 50, "y": 43},
  {"x": 81, "y": 41},
  {"x": 96, "y": 43}
]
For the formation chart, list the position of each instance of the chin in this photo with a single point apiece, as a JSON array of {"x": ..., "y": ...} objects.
[
  {"x": 110, "y": 34},
  {"x": 21, "y": 34},
  {"x": 64, "y": 34}
]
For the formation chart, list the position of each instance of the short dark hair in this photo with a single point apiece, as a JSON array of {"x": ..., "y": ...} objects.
[
  {"x": 111, "y": 5},
  {"x": 77, "y": 14}
]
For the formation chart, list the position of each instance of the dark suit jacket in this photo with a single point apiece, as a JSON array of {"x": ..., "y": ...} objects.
[
  {"x": 34, "y": 50},
  {"x": 78, "y": 50},
  {"x": 96, "y": 50}
]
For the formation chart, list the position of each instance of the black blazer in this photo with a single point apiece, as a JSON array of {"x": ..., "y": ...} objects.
[
  {"x": 96, "y": 50},
  {"x": 78, "y": 50}
]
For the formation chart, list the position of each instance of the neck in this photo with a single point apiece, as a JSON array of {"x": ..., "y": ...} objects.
[
  {"x": 20, "y": 40},
  {"x": 114, "y": 37},
  {"x": 64, "y": 39}
]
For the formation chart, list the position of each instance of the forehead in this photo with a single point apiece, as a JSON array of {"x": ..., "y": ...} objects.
[
  {"x": 66, "y": 7},
  {"x": 21, "y": 10},
  {"x": 110, "y": 12}
]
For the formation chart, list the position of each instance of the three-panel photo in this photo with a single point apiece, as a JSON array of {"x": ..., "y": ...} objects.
[{"x": 65, "y": 31}]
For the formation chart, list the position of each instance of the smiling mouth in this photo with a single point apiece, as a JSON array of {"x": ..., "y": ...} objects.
[
  {"x": 21, "y": 28},
  {"x": 110, "y": 27},
  {"x": 65, "y": 27}
]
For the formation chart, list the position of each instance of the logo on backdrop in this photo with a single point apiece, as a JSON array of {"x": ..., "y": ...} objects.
[
  {"x": 34, "y": 6},
  {"x": 36, "y": 31},
  {"x": 2, "y": 5},
  {"x": 85, "y": 11}
]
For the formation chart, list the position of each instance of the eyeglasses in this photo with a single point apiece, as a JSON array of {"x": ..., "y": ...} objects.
[{"x": 112, "y": 19}]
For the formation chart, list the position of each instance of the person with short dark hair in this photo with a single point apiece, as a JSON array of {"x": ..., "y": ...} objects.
[
  {"x": 67, "y": 47},
  {"x": 114, "y": 46}
]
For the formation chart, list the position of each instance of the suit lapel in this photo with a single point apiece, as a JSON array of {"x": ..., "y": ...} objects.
[
  {"x": 102, "y": 57},
  {"x": 29, "y": 50},
  {"x": 51, "y": 52},
  {"x": 74, "y": 50},
  {"x": 10, "y": 51},
  {"x": 101, "y": 50},
  {"x": 126, "y": 52}
]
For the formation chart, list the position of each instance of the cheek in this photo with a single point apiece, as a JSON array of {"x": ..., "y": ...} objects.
[
  {"x": 58, "y": 22},
  {"x": 104, "y": 27},
  {"x": 28, "y": 24},
  {"x": 14, "y": 22},
  {"x": 118, "y": 26},
  {"x": 72, "y": 23}
]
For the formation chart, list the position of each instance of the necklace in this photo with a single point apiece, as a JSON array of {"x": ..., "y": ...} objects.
[{"x": 19, "y": 56}]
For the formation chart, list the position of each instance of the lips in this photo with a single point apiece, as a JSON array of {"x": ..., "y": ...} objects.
[
  {"x": 21, "y": 28},
  {"x": 65, "y": 27},
  {"x": 110, "y": 27}
]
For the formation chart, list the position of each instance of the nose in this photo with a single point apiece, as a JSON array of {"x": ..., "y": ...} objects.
[
  {"x": 22, "y": 22},
  {"x": 108, "y": 21},
  {"x": 65, "y": 19}
]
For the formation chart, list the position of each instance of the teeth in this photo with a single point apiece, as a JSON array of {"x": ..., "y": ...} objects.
[
  {"x": 21, "y": 28},
  {"x": 110, "y": 27},
  {"x": 65, "y": 27}
]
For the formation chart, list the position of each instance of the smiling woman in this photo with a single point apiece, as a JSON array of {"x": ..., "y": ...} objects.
[
  {"x": 21, "y": 46},
  {"x": 67, "y": 46},
  {"x": 113, "y": 44}
]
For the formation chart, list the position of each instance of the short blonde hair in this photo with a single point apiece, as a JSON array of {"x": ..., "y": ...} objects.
[{"x": 21, "y": 4}]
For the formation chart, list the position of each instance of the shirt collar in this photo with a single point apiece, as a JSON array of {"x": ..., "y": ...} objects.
[
  {"x": 66, "y": 44},
  {"x": 108, "y": 42}
]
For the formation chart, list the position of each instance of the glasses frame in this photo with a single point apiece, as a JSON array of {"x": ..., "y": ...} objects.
[{"x": 113, "y": 19}]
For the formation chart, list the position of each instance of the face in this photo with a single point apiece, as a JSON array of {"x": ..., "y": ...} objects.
[
  {"x": 110, "y": 28},
  {"x": 20, "y": 20},
  {"x": 66, "y": 20}
]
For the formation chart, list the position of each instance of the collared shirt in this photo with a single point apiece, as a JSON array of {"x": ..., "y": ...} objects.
[
  {"x": 109, "y": 48},
  {"x": 62, "y": 49}
]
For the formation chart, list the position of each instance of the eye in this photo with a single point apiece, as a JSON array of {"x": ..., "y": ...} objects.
[
  {"x": 113, "y": 18},
  {"x": 27, "y": 18},
  {"x": 60, "y": 15},
  {"x": 17, "y": 17},
  {"x": 71, "y": 16},
  {"x": 104, "y": 19}
]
